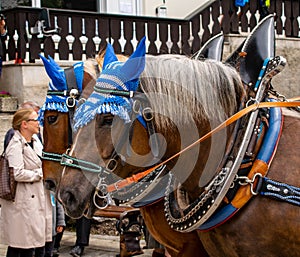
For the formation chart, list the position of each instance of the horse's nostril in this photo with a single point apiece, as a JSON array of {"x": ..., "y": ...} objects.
[
  {"x": 67, "y": 197},
  {"x": 50, "y": 185},
  {"x": 70, "y": 198}
]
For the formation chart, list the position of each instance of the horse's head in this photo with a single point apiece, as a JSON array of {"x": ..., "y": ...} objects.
[
  {"x": 65, "y": 87},
  {"x": 136, "y": 119},
  {"x": 57, "y": 112}
]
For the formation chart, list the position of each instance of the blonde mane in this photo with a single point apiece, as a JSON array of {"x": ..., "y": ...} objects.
[{"x": 181, "y": 88}]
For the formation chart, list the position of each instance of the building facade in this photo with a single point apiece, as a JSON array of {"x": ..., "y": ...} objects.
[{"x": 166, "y": 8}]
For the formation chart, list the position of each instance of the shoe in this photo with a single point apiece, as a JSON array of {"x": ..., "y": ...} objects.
[
  {"x": 55, "y": 252},
  {"x": 77, "y": 251}
]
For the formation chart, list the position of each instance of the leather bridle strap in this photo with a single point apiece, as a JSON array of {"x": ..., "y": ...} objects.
[
  {"x": 136, "y": 177},
  {"x": 71, "y": 82},
  {"x": 71, "y": 97}
]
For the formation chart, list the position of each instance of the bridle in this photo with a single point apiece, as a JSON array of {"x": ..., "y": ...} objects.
[
  {"x": 143, "y": 113},
  {"x": 71, "y": 94}
]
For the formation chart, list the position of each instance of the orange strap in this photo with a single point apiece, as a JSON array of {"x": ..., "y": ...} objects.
[
  {"x": 135, "y": 178},
  {"x": 244, "y": 193}
]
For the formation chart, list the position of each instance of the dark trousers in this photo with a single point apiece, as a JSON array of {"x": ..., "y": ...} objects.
[
  {"x": 19, "y": 252},
  {"x": 57, "y": 240},
  {"x": 49, "y": 248},
  {"x": 39, "y": 252},
  {"x": 83, "y": 229}
]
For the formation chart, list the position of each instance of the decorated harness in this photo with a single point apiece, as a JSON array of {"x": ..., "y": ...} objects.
[
  {"x": 64, "y": 90},
  {"x": 245, "y": 170}
]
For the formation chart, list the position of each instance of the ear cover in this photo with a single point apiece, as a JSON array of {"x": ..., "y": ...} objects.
[
  {"x": 110, "y": 56},
  {"x": 55, "y": 73},
  {"x": 79, "y": 74},
  {"x": 135, "y": 65},
  {"x": 122, "y": 76}
]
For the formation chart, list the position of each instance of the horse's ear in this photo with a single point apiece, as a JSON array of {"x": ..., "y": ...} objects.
[
  {"x": 50, "y": 65},
  {"x": 110, "y": 56},
  {"x": 54, "y": 71},
  {"x": 135, "y": 65}
]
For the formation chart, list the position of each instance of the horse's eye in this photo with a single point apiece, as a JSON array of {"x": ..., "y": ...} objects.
[
  {"x": 107, "y": 121},
  {"x": 51, "y": 119}
]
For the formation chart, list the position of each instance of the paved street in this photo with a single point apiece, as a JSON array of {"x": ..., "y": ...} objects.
[{"x": 100, "y": 246}]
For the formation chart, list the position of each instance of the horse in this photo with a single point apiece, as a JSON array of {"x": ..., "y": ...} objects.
[
  {"x": 56, "y": 117},
  {"x": 145, "y": 116},
  {"x": 57, "y": 112}
]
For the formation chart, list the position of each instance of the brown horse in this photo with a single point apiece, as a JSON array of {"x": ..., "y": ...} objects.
[
  {"x": 138, "y": 120},
  {"x": 57, "y": 131},
  {"x": 57, "y": 120}
]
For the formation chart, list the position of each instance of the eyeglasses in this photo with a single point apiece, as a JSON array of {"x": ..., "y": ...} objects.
[{"x": 36, "y": 119}]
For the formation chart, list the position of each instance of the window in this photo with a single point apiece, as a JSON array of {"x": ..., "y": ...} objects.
[{"x": 133, "y": 7}]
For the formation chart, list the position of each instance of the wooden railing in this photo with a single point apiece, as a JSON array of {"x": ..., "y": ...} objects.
[{"x": 83, "y": 34}]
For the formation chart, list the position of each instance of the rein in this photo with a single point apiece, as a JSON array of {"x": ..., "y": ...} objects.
[
  {"x": 135, "y": 178},
  {"x": 105, "y": 190},
  {"x": 70, "y": 161}
]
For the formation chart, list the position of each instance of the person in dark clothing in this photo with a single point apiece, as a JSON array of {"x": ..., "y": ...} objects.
[
  {"x": 56, "y": 246},
  {"x": 59, "y": 224},
  {"x": 83, "y": 228},
  {"x": 3, "y": 35}
]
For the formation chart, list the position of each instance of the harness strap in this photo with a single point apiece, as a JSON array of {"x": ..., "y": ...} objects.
[
  {"x": 70, "y": 77},
  {"x": 71, "y": 101},
  {"x": 278, "y": 191},
  {"x": 136, "y": 177}
]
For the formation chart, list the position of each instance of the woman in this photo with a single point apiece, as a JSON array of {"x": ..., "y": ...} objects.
[{"x": 26, "y": 223}]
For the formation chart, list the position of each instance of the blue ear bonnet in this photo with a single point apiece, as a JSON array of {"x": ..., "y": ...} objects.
[
  {"x": 122, "y": 76},
  {"x": 58, "y": 83}
]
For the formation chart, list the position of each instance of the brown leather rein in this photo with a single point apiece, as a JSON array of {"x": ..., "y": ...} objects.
[{"x": 292, "y": 102}]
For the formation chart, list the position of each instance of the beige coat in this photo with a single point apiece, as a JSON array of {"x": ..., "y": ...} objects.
[{"x": 26, "y": 222}]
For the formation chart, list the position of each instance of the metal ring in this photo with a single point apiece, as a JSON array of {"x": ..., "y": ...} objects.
[
  {"x": 148, "y": 114},
  {"x": 252, "y": 101},
  {"x": 104, "y": 201},
  {"x": 103, "y": 190},
  {"x": 81, "y": 101},
  {"x": 73, "y": 102},
  {"x": 114, "y": 164},
  {"x": 257, "y": 175},
  {"x": 281, "y": 97},
  {"x": 136, "y": 106}
]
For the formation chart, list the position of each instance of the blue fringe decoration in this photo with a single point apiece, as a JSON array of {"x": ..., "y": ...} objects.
[{"x": 54, "y": 102}]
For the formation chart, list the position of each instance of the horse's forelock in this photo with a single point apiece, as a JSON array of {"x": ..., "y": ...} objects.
[
  {"x": 206, "y": 89},
  {"x": 90, "y": 66}
]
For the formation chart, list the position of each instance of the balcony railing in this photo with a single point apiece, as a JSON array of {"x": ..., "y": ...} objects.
[{"x": 83, "y": 34}]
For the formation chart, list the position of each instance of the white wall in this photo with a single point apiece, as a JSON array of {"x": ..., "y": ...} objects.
[{"x": 175, "y": 8}]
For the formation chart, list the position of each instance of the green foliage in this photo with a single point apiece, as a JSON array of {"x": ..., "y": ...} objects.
[
  {"x": 52, "y": 3},
  {"x": 24, "y": 2}
]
